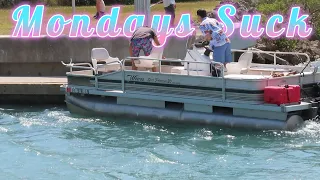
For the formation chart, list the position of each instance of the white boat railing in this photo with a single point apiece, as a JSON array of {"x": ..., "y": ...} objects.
[
  {"x": 275, "y": 53},
  {"x": 174, "y": 60},
  {"x": 122, "y": 64},
  {"x": 179, "y": 61},
  {"x": 96, "y": 71},
  {"x": 78, "y": 65},
  {"x": 111, "y": 62},
  {"x": 93, "y": 69},
  {"x": 269, "y": 54}
]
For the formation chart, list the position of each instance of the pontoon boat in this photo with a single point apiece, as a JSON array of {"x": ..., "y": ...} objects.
[{"x": 188, "y": 92}]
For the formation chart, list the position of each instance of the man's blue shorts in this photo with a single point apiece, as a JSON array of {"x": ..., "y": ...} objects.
[{"x": 222, "y": 53}]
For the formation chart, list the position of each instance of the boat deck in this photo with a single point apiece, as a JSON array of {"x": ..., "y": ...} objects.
[{"x": 147, "y": 96}]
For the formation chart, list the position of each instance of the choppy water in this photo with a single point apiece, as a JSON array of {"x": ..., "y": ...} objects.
[{"x": 52, "y": 144}]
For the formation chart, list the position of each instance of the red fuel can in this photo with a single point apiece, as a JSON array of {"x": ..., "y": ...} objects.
[
  {"x": 282, "y": 94},
  {"x": 293, "y": 93},
  {"x": 275, "y": 95}
]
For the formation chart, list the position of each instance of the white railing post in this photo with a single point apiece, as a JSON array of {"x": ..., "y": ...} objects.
[
  {"x": 123, "y": 75},
  {"x": 73, "y": 7}
]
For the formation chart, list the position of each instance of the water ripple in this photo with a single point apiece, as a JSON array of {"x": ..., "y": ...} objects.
[{"x": 51, "y": 143}]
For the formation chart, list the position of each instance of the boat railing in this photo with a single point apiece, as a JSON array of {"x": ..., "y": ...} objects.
[
  {"x": 96, "y": 71},
  {"x": 108, "y": 63},
  {"x": 268, "y": 54},
  {"x": 179, "y": 61},
  {"x": 88, "y": 66},
  {"x": 78, "y": 65},
  {"x": 176, "y": 61},
  {"x": 275, "y": 53}
]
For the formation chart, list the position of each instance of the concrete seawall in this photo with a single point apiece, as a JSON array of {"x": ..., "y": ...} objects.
[
  {"x": 31, "y": 70},
  {"x": 31, "y": 90},
  {"x": 43, "y": 56}
]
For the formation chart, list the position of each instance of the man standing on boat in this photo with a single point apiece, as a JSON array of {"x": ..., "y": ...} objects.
[
  {"x": 142, "y": 40},
  {"x": 213, "y": 32}
]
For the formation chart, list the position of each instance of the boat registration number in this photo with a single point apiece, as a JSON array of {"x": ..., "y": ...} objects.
[{"x": 78, "y": 90}]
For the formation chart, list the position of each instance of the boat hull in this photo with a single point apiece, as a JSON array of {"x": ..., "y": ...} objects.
[{"x": 92, "y": 107}]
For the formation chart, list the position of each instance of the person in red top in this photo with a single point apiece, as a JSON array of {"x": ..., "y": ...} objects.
[{"x": 142, "y": 40}]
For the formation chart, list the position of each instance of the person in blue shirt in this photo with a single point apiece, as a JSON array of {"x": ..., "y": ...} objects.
[{"x": 219, "y": 42}]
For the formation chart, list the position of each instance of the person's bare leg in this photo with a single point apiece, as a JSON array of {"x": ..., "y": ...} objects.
[
  {"x": 97, "y": 8},
  {"x": 172, "y": 22},
  {"x": 225, "y": 67},
  {"x": 134, "y": 67},
  {"x": 154, "y": 69},
  {"x": 173, "y": 15},
  {"x": 100, "y": 7}
]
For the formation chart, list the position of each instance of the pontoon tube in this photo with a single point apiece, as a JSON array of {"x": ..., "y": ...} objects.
[{"x": 86, "y": 105}]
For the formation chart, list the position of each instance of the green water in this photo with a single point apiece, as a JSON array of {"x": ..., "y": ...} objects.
[{"x": 50, "y": 143}]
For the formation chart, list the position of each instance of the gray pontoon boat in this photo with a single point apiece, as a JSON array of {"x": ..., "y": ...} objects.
[{"x": 189, "y": 92}]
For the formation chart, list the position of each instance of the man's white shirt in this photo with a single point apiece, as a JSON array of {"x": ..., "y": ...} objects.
[{"x": 166, "y": 3}]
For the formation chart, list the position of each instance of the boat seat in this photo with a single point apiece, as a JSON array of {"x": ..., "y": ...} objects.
[
  {"x": 101, "y": 54},
  {"x": 196, "y": 57},
  {"x": 177, "y": 70},
  {"x": 242, "y": 65},
  {"x": 156, "y": 53}
]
